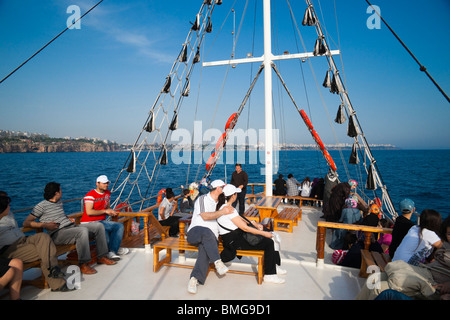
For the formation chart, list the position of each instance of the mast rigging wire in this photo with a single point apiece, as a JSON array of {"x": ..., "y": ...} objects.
[
  {"x": 48, "y": 43},
  {"x": 422, "y": 67}
]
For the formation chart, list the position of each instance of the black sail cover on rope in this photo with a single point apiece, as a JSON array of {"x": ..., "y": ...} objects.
[
  {"x": 150, "y": 127},
  {"x": 354, "y": 155},
  {"x": 334, "y": 88},
  {"x": 196, "y": 24},
  {"x": 197, "y": 56},
  {"x": 132, "y": 165},
  {"x": 174, "y": 124},
  {"x": 319, "y": 47},
  {"x": 340, "y": 116},
  {"x": 327, "y": 81},
  {"x": 183, "y": 57},
  {"x": 351, "y": 130},
  {"x": 209, "y": 27},
  {"x": 163, "y": 160},
  {"x": 308, "y": 18},
  {"x": 187, "y": 88},
  {"x": 166, "y": 88},
  {"x": 371, "y": 183}
]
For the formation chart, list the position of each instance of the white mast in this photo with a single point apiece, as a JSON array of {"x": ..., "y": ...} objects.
[
  {"x": 268, "y": 97},
  {"x": 267, "y": 60}
]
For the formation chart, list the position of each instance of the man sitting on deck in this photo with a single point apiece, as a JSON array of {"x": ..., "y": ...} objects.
[
  {"x": 204, "y": 232},
  {"x": 63, "y": 230},
  {"x": 97, "y": 208},
  {"x": 14, "y": 244},
  {"x": 291, "y": 185}
]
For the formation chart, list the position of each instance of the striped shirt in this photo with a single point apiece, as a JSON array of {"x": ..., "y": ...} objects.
[{"x": 47, "y": 211}]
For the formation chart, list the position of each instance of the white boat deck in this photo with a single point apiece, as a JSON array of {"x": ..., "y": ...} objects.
[{"x": 133, "y": 277}]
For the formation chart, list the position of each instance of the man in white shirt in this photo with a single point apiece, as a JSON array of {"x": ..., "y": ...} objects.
[{"x": 204, "y": 232}]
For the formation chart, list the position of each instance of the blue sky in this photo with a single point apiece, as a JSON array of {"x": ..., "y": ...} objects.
[{"x": 101, "y": 80}]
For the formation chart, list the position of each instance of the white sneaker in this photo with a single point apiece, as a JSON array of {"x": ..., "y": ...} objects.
[
  {"x": 220, "y": 267},
  {"x": 112, "y": 256},
  {"x": 273, "y": 278},
  {"x": 123, "y": 251},
  {"x": 280, "y": 270},
  {"x": 192, "y": 285}
]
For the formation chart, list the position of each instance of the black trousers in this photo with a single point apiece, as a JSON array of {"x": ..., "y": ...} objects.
[
  {"x": 241, "y": 200},
  {"x": 173, "y": 223},
  {"x": 231, "y": 243}
]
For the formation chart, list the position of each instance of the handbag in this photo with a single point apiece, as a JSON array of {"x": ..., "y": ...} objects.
[{"x": 252, "y": 239}]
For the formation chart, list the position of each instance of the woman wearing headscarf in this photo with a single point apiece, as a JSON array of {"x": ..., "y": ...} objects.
[{"x": 336, "y": 203}]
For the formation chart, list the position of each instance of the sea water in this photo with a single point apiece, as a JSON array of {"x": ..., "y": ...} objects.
[{"x": 416, "y": 174}]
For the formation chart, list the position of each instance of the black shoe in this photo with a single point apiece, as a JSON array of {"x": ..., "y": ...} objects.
[
  {"x": 63, "y": 288},
  {"x": 55, "y": 272}
]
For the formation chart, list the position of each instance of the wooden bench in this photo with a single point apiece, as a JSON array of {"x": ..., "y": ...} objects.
[
  {"x": 182, "y": 245},
  {"x": 289, "y": 217},
  {"x": 372, "y": 258},
  {"x": 41, "y": 282},
  {"x": 253, "y": 198},
  {"x": 314, "y": 200},
  {"x": 252, "y": 213},
  {"x": 152, "y": 230}
]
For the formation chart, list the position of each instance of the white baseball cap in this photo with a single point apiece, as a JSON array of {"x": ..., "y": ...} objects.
[
  {"x": 103, "y": 179},
  {"x": 217, "y": 183},
  {"x": 229, "y": 190}
]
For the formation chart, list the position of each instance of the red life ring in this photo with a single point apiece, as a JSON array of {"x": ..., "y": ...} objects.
[
  {"x": 231, "y": 121},
  {"x": 211, "y": 162},
  {"x": 306, "y": 119},
  {"x": 378, "y": 202},
  {"x": 160, "y": 195},
  {"x": 222, "y": 141},
  {"x": 329, "y": 160},
  {"x": 318, "y": 140},
  {"x": 125, "y": 206}
]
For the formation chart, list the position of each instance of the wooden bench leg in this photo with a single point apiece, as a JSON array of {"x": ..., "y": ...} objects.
[
  {"x": 291, "y": 227},
  {"x": 260, "y": 269},
  {"x": 157, "y": 264},
  {"x": 320, "y": 246}
]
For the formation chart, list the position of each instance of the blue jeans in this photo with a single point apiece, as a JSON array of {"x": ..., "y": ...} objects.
[
  {"x": 390, "y": 294},
  {"x": 114, "y": 234}
]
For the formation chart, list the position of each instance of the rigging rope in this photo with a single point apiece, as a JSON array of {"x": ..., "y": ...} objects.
[
  {"x": 422, "y": 67},
  {"x": 48, "y": 43},
  {"x": 180, "y": 72}
]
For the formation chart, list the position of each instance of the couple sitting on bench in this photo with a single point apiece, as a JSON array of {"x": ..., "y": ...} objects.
[{"x": 210, "y": 210}]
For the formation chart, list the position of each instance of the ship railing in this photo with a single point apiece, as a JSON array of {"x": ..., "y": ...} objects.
[
  {"x": 322, "y": 227},
  {"x": 65, "y": 201}
]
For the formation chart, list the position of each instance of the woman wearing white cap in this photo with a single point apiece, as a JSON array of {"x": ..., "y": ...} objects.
[{"x": 233, "y": 226}]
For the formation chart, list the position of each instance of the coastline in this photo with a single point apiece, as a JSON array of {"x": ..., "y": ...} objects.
[{"x": 30, "y": 146}]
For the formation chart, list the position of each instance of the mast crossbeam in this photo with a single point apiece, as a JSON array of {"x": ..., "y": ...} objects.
[{"x": 261, "y": 59}]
